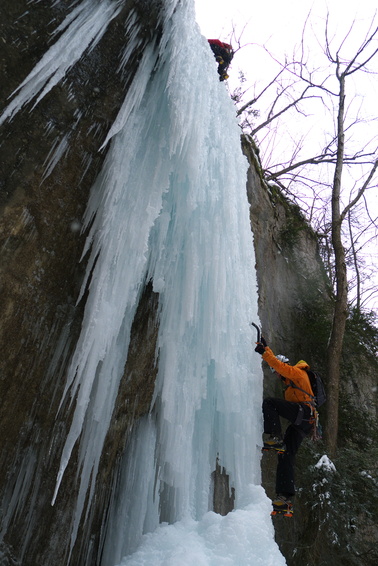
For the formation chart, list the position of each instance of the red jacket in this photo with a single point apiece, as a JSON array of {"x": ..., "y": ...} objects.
[
  {"x": 220, "y": 44},
  {"x": 296, "y": 374}
]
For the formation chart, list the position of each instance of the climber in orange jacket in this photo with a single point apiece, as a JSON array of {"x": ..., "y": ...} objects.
[
  {"x": 291, "y": 375},
  {"x": 295, "y": 407},
  {"x": 223, "y": 54}
]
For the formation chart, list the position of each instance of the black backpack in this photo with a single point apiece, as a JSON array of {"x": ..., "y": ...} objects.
[{"x": 317, "y": 387}]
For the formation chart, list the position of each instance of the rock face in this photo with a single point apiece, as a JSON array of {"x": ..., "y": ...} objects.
[
  {"x": 290, "y": 275},
  {"x": 42, "y": 200}
]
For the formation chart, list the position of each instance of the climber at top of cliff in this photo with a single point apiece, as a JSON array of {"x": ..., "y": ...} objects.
[{"x": 223, "y": 54}]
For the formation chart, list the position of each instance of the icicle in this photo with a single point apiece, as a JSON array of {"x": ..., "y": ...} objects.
[
  {"x": 170, "y": 206},
  {"x": 82, "y": 30},
  {"x": 57, "y": 151}
]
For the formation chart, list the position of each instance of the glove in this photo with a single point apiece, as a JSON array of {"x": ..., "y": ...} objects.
[
  {"x": 260, "y": 348},
  {"x": 263, "y": 342}
]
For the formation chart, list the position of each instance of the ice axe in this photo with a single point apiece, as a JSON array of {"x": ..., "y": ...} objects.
[
  {"x": 260, "y": 337},
  {"x": 258, "y": 331}
]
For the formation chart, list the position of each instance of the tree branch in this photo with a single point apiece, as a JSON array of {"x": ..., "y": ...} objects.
[{"x": 360, "y": 192}]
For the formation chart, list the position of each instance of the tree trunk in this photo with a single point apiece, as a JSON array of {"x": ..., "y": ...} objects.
[
  {"x": 355, "y": 263},
  {"x": 341, "y": 299},
  {"x": 335, "y": 350}
]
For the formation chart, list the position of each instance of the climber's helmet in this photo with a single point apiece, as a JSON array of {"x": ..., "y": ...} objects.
[{"x": 282, "y": 358}]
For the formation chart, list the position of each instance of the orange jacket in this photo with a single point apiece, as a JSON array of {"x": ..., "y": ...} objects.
[{"x": 296, "y": 374}]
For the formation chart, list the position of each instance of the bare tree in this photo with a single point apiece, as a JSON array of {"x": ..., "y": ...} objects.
[
  {"x": 304, "y": 86},
  {"x": 360, "y": 287},
  {"x": 343, "y": 70}
]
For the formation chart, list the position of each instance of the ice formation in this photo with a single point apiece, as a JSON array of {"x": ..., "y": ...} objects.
[{"x": 170, "y": 207}]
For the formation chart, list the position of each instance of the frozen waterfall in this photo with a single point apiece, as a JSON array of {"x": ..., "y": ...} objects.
[{"x": 169, "y": 207}]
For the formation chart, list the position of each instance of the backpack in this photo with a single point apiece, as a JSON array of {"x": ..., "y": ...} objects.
[
  {"x": 316, "y": 400},
  {"x": 317, "y": 387}
]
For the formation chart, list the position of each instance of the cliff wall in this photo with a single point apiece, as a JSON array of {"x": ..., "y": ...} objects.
[
  {"x": 292, "y": 283},
  {"x": 335, "y": 508},
  {"x": 42, "y": 201}
]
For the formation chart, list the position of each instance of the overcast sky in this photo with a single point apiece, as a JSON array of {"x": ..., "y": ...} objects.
[
  {"x": 278, "y": 20},
  {"x": 278, "y": 25}
]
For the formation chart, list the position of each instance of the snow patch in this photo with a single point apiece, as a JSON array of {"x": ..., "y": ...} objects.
[
  {"x": 239, "y": 538},
  {"x": 325, "y": 464}
]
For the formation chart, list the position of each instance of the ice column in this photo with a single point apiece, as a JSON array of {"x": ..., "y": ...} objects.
[{"x": 183, "y": 203}]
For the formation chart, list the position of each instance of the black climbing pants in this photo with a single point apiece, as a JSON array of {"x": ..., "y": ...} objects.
[
  {"x": 299, "y": 416},
  {"x": 220, "y": 51}
]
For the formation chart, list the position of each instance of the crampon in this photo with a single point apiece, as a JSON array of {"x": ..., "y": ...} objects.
[
  {"x": 275, "y": 445},
  {"x": 281, "y": 507}
]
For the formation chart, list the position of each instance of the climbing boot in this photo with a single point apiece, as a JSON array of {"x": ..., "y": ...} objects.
[
  {"x": 274, "y": 443},
  {"x": 282, "y": 506}
]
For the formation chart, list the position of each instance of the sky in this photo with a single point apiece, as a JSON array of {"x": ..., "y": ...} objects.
[
  {"x": 275, "y": 21},
  {"x": 278, "y": 27}
]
